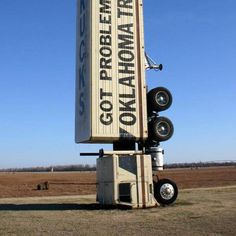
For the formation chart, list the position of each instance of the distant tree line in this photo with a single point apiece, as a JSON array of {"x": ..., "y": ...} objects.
[
  {"x": 86, "y": 167},
  {"x": 200, "y": 164},
  {"x": 79, "y": 167}
]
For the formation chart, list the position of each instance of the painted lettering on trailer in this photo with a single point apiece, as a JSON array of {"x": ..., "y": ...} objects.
[
  {"x": 82, "y": 55},
  {"x": 126, "y": 63},
  {"x": 126, "y": 66},
  {"x": 105, "y": 52}
]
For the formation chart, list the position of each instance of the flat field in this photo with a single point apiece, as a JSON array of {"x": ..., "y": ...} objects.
[
  {"x": 206, "y": 205},
  {"x": 201, "y": 211},
  {"x": 80, "y": 183}
]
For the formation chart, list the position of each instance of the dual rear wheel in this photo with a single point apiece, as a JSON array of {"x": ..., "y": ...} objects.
[{"x": 160, "y": 128}]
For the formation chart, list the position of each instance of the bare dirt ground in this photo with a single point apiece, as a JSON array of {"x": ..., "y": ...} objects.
[
  {"x": 80, "y": 183},
  {"x": 200, "y": 211},
  {"x": 60, "y": 183}
]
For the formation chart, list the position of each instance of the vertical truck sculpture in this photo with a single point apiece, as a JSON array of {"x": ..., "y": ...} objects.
[{"x": 113, "y": 106}]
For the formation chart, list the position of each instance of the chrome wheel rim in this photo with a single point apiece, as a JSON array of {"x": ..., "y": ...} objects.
[
  {"x": 162, "y": 98},
  {"x": 167, "y": 191},
  {"x": 163, "y": 128}
]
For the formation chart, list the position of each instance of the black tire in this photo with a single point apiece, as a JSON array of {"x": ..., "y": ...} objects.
[
  {"x": 158, "y": 99},
  {"x": 160, "y": 129},
  {"x": 165, "y": 191}
]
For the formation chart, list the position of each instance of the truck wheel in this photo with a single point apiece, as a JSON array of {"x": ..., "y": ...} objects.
[
  {"x": 159, "y": 99},
  {"x": 160, "y": 129},
  {"x": 165, "y": 191}
]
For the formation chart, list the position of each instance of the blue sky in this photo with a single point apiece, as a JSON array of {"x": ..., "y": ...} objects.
[{"x": 195, "y": 40}]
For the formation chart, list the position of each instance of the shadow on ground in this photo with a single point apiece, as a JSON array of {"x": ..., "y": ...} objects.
[
  {"x": 56, "y": 207},
  {"x": 48, "y": 207}
]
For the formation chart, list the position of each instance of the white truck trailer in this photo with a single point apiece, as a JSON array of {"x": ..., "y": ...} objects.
[{"x": 110, "y": 72}]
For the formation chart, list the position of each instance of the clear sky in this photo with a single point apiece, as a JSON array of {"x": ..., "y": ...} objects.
[{"x": 195, "y": 40}]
